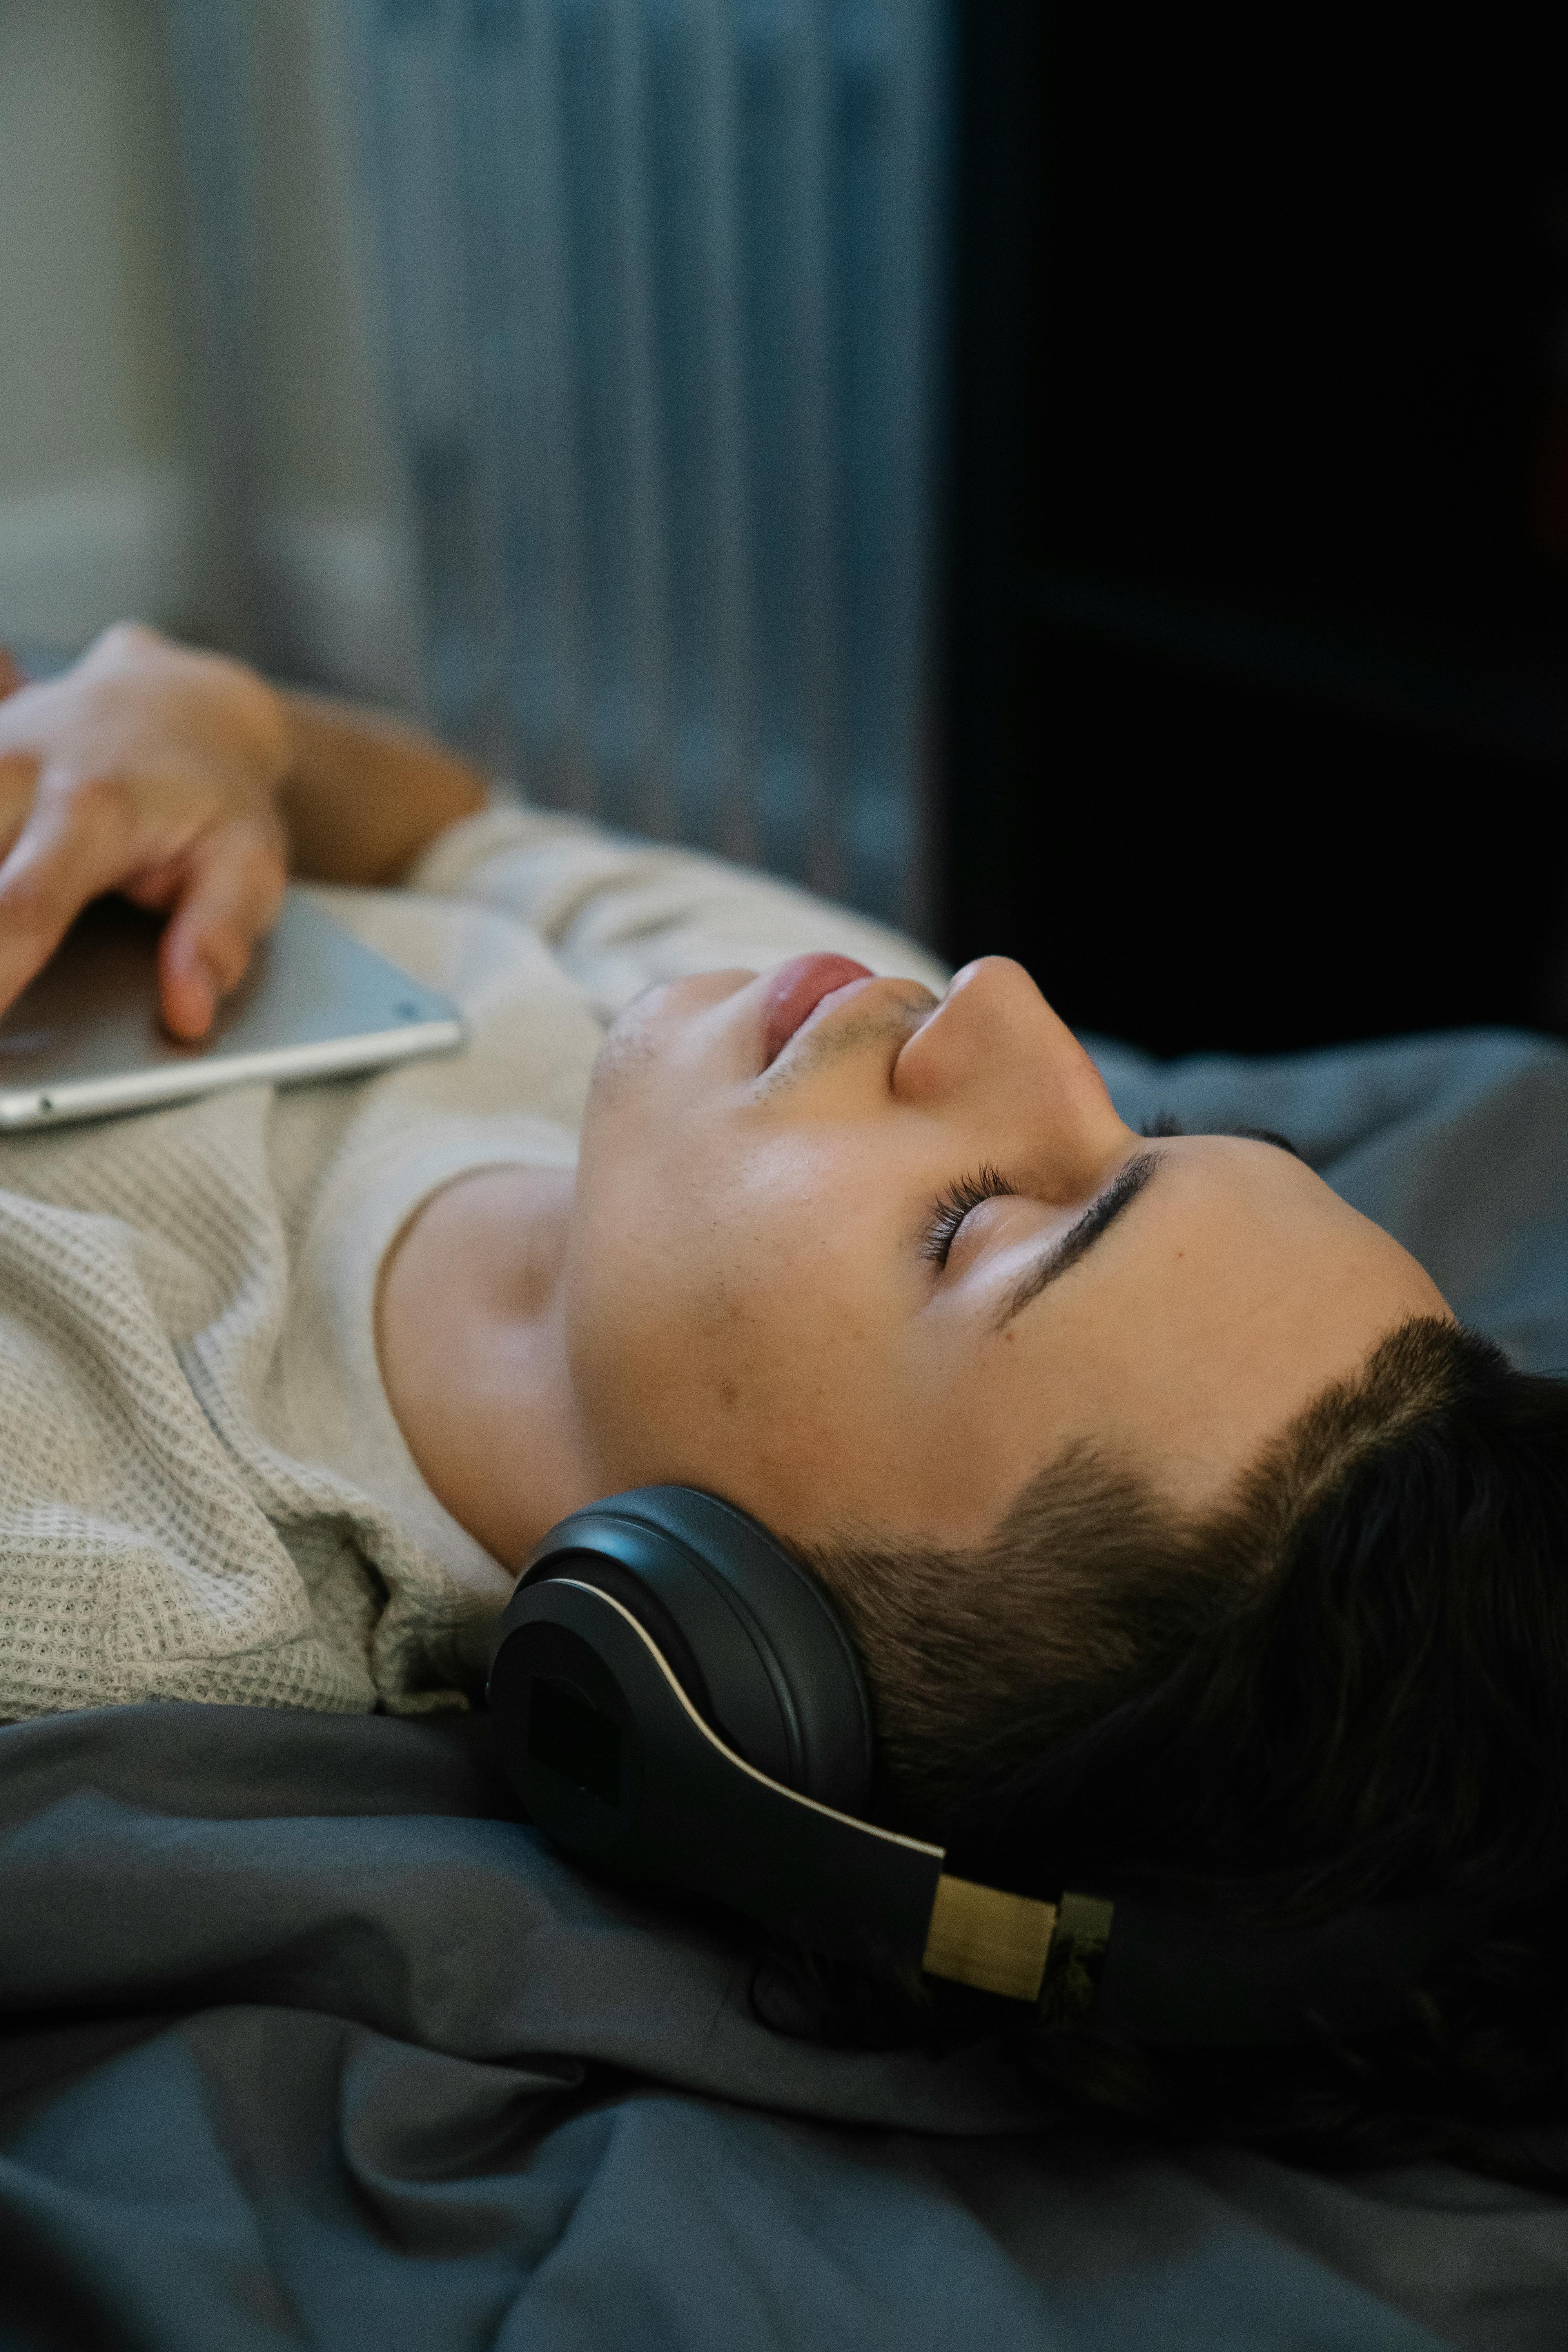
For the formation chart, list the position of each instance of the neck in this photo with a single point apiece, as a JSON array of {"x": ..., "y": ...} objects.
[{"x": 471, "y": 1337}]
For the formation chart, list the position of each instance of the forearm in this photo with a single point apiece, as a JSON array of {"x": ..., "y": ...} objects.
[{"x": 364, "y": 793}]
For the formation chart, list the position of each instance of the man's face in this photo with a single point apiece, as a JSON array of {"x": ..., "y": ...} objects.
[{"x": 792, "y": 1277}]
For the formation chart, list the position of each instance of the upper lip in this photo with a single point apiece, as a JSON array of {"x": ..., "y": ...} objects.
[
  {"x": 823, "y": 1010},
  {"x": 829, "y": 1003},
  {"x": 797, "y": 983}
]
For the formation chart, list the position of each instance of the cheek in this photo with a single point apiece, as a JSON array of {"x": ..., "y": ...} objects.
[
  {"x": 715, "y": 1324},
  {"x": 785, "y": 1370}
]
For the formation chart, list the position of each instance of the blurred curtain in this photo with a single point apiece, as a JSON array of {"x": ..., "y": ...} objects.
[{"x": 661, "y": 291}]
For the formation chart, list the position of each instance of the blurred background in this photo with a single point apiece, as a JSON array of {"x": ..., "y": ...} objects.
[{"x": 1079, "y": 484}]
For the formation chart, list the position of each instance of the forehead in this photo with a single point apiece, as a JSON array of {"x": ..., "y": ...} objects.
[{"x": 1231, "y": 1224}]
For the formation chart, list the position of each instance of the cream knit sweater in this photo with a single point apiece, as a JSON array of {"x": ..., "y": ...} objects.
[{"x": 202, "y": 1492}]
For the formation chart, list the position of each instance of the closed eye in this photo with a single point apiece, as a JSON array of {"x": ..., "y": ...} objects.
[{"x": 949, "y": 1211}]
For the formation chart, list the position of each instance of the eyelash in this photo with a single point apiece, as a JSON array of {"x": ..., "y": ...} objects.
[{"x": 949, "y": 1211}]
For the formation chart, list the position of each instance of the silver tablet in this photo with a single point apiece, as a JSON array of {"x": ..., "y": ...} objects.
[{"x": 84, "y": 1039}]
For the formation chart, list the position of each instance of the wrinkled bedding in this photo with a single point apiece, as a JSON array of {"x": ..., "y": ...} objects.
[{"x": 308, "y": 2041}]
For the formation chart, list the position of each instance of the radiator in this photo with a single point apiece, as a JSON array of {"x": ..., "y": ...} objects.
[
  {"x": 665, "y": 279},
  {"x": 661, "y": 291}
]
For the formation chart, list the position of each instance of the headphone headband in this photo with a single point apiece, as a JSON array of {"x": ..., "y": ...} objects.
[{"x": 679, "y": 1705}]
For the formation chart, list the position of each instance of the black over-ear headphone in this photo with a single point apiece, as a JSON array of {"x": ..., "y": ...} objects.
[{"x": 679, "y": 1703}]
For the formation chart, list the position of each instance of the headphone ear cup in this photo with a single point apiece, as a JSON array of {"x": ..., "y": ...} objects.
[{"x": 754, "y": 1640}]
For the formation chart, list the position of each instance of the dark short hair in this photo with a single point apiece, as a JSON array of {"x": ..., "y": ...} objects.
[{"x": 1347, "y": 1684}]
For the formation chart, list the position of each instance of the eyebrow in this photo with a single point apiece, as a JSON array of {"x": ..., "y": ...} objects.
[
  {"x": 1102, "y": 1213},
  {"x": 1079, "y": 1239}
]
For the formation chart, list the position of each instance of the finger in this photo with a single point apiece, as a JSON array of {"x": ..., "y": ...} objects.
[
  {"x": 74, "y": 845},
  {"x": 11, "y": 677},
  {"x": 233, "y": 896},
  {"x": 159, "y": 886}
]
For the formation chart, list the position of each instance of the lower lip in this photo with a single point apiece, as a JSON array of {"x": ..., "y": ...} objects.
[{"x": 794, "y": 992}]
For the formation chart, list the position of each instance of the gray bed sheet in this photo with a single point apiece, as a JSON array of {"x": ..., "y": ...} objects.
[{"x": 305, "y": 2039}]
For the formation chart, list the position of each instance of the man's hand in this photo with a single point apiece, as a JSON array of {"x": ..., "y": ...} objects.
[{"x": 155, "y": 771}]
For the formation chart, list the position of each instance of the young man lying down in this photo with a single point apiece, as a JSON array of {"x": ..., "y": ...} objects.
[{"x": 1182, "y": 1530}]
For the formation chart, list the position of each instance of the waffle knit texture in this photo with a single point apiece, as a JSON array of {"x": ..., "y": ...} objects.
[{"x": 202, "y": 1492}]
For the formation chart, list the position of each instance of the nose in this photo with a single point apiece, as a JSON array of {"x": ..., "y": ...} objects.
[{"x": 994, "y": 1053}]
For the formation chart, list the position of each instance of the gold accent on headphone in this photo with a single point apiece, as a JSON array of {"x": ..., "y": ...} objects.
[
  {"x": 1043, "y": 1952},
  {"x": 983, "y": 1937}
]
